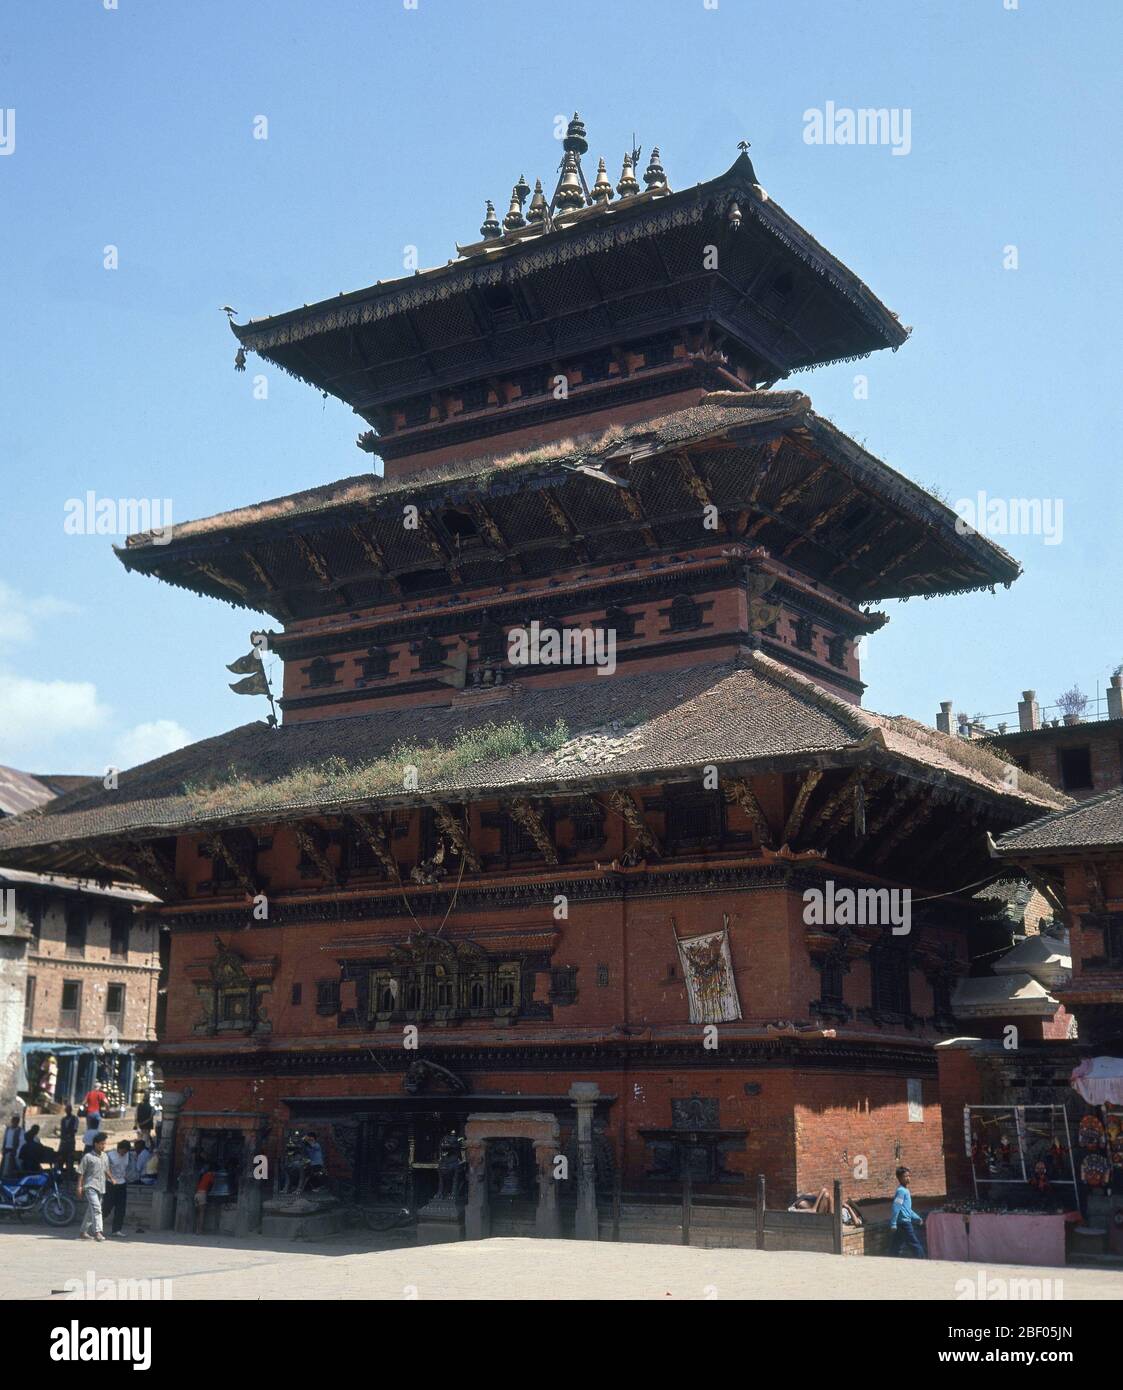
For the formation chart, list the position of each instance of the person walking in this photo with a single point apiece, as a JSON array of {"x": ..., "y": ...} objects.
[
  {"x": 95, "y": 1104},
  {"x": 67, "y": 1140},
  {"x": 116, "y": 1198},
  {"x": 93, "y": 1176},
  {"x": 202, "y": 1192},
  {"x": 904, "y": 1221},
  {"x": 13, "y": 1142},
  {"x": 144, "y": 1117}
]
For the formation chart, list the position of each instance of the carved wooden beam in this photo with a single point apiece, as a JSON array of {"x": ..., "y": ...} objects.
[
  {"x": 146, "y": 864},
  {"x": 694, "y": 483},
  {"x": 373, "y": 832},
  {"x": 634, "y": 508},
  {"x": 771, "y": 454},
  {"x": 433, "y": 541},
  {"x": 557, "y": 515},
  {"x": 799, "y": 807},
  {"x": 523, "y": 814},
  {"x": 841, "y": 794},
  {"x": 451, "y": 826},
  {"x": 897, "y": 561},
  {"x": 820, "y": 520},
  {"x": 373, "y": 552},
  {"x": 740, "y": 793},
  {"x": 214, "y": 574},
  {"x": 314, "y": 561},
  {"x": 308, "y": 844},
  {"x": 220, "y": 847},
  {"x": 645, "y": 842},
  {"x": 906, "y": 826}
]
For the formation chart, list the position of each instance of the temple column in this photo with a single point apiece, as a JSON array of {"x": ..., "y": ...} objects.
[
  {"x": 547, "y": 1218},
  {"x": 477, "y": 1216},
  {"x": 250, "y": 1191},
  {"x": 164, "y": 1193},
  {"x": 584, "y": 1095}
]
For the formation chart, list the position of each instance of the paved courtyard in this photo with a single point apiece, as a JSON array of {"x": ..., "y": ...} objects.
[{"x": 35, "y": 1263}]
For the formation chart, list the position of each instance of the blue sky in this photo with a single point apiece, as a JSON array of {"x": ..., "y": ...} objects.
[{"x": 388, "y": 126}]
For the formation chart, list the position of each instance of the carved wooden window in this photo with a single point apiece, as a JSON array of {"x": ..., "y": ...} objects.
[
  {"x": 477, "y": 993},
  {"x": 115, "y": 1005},
  {"x": 507, "y": 982},
  {"x": 320, "y": 672},
  {"x": 836, "y": 650},
  {"x": 493, "y": 642},
  {"x": 416, "y": 411},
  {"x": 234, "y": 1008},
  {"x": 658, "y": 352},
  {"x": 375, "y": 665},
  {"x": 430, "y": 654},
  {"x": 71, "y": 1005},
  {"x": 327, "y": 997},
  {"x": 685, "y": 614},
  {"x": 830, "y": 985},
  {"x": 596, "y": 366},
  {"x": 588, "y": 823},
  {"x": 804, "y": 634},
  {"x": 694, "y": 819},
  {"x": 620, "y": 621},
  {"x": 474, "y": 396},
  {"x": 889, "y": 972}
]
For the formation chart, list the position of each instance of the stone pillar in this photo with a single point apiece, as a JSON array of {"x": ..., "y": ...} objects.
[
  {"x": 547, "y": 1218},
  {"x": 164, "y": 1193},
  {"x": 1029, "y": 712},
  {"x": 943, "y": 719},
  {"x": 247, "y": 1217},
  {"x": 13, "y": 1000},
  {"x": 477, "y": 1216},
  {"x": 1115, "y": 698},
  {"x": 584, "y": 1095}
]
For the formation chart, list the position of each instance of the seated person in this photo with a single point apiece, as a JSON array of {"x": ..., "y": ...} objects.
[
  {"x": 1041, "y": 1192},
  {"x": 33, "y": 1154}
]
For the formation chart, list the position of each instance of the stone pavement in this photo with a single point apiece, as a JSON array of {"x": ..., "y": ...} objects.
[{"x": 34, "y": 1261}]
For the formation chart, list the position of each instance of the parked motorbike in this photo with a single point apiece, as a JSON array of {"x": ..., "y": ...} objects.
[{"x": 37, "y": 1193}]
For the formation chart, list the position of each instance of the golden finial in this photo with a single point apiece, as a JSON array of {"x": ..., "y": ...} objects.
[
  {"x": 537, "y": 210},
  {"x": 569, "y": 193},
  {"x": 491, "y": 227},
  {"x": 514, "y": 219},
  {"x": 654, "y": 176},
  {"x": 602, "y": 187},
  {"x": 628, "y": 183}
]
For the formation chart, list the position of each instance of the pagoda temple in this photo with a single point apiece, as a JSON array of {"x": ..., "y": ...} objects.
[{"x": 558, "y": 844}]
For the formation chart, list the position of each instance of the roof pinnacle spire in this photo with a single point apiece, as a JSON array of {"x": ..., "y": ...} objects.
[
  {"x": 538, "y": 209},
  {"x": 572, "y": 191},
  {"x": 491, "y": 227},
  {"x": 628, "y": 182},
  {"x": 515, "y": 219},
  {"x": 654, "y": 176},
  {"x": 602, "y": 187}
]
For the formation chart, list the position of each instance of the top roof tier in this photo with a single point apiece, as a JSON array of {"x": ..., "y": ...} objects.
[{"x": 718, "y": 272}]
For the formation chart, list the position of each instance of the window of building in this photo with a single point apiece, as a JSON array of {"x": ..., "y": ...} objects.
[
  {"x": 115, "y": 1004},
  {"x": 375, "y": 665},
  {"x": 473, "y": 396},
  {"x": 320, "y": 672},
  {"x": 830, "y": 990},
  {"x": 29, "y": 1003},
  {"x": 327, "y": 996},
  {"x": 1113, "y": 939},
  {"x": 297, "y": 991},
  {"x": 1075, "y": 768},
  {"x": 430, "y": 654},
  {"x": 588, "y": 823},
  {"x": 416, "y": 411},
  {"x": 71, "y": 1004},
  {"x": 620, "y": 621},
  {"x": 889, "y": 970},
  {"x": 77, "y": 924},
  {"x": 120, "y": 926},
  {"x": 693, "y": 819},
  {"x": 493, "y": 642},
  {"x": 836, "y": 650},
  {"x": 685, "y": 614},
  {"x": 804, "y": 634}
]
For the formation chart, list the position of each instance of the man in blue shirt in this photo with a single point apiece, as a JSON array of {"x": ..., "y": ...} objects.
[{"x": 904, "y": 1221}]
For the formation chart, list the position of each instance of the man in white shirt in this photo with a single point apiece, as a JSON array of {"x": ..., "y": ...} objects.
[
  {"x": 117, "y": 1195},
  {"x": 13, "y": 1142}
]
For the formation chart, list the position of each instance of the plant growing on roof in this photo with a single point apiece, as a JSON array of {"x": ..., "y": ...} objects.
[{"x": 1073, "y": 702}]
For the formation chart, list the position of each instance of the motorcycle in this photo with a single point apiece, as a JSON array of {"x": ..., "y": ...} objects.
[{"x": 37, "y": 1193}]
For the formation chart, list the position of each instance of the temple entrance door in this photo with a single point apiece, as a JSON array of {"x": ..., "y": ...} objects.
[
  {"x": 400, "y": 1154},
  {"x": 425, "y": 1145},
  {"x": 512, "y": 1180}
]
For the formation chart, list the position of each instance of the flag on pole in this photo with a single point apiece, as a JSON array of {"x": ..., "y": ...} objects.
[
  {"x": 708, "y": 968},
  {"x": 246, "y": 664},
  {"x": 251, "y": 685}
]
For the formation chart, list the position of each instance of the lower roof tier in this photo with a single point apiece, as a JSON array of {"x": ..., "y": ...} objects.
[{"x": 744, "y": 717}]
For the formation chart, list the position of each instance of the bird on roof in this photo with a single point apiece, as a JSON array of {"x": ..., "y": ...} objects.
[{"x": 228, "y": 311}]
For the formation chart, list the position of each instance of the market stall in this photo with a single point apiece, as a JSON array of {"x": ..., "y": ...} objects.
[{"x": 1025, "y": 1184}]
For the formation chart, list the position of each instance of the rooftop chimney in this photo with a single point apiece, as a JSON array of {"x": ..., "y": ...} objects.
[
  {"x": 1115, "y": 698},
  {"x": 1029, "y": 711},
  {"x": 943, "y": 719}
]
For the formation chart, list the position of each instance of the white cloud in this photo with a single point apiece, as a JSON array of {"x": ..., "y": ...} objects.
[
  {"x": 20, "y": 615},
  {"x": 143, "y": 742},
  {"x": 40, "y": 711}
]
